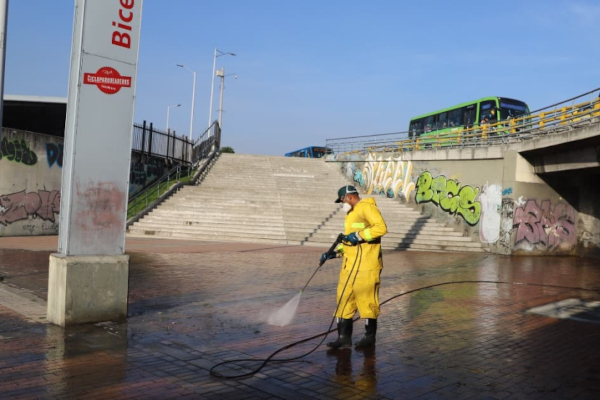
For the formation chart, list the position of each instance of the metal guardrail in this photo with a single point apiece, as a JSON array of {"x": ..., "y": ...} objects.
[
  {"x": 208, "y": 142},
  {"x": 567, "y": 115},
  {"x": 155, "y": 142}
]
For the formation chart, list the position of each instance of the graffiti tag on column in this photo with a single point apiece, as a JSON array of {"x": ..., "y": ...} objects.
[
  {"x": 490, "y": 199},
  {"x": 21, "y": 205},
  {"x": 389, "y": 177},
  {"x": 18, "y": 151},
  {"x": 54, "y": 154},
  {"x": 447, "y": 194},
  {"x": 506, "y": 224},
  {"x": 545, "y": 226}
]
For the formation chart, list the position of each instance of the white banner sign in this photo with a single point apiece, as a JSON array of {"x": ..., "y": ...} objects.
[{"x": 97, "y": 151}]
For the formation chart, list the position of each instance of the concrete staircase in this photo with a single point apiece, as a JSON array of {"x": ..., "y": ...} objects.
[{"x": 283, "y": 200}]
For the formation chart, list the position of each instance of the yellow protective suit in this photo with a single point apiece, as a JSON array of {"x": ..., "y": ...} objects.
[{"x": 360, "y": 286}]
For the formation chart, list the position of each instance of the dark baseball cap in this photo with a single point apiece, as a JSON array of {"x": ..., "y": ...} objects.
[{"x": 344, "y": 190}]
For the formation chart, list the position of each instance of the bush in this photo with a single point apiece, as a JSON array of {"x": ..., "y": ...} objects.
[{"x": 227, "y": 149}]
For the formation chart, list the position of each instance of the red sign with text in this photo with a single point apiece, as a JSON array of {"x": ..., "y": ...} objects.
[{"x": 107, "y": 79}]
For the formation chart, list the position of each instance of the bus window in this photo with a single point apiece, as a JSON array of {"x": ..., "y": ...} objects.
[
  {"x": 455, "y": 117},
  {"x": 512, "y": 108},
  {"x": 469, "y": 115},
  {"x": 319, "y": 152},
  {"x": 443, "y": 120},
  {"x": 428, "y": 124},
  {"x": 487, "y": 110},
  {"x": 416, "y": 128}
]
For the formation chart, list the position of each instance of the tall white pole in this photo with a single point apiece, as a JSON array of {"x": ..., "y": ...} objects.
[
  {"x": 3, "y": 24},
  {"x": 221, "y": 101},
  {"x": 168, "y": 110},
  {"x": 212, "y": 88},
  {"x": 193, "y": 102}
]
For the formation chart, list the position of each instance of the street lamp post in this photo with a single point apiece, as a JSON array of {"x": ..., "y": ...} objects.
[
  {"x": 193, "y": 101},
  {"x": 212, "y": 84},
  {"x": 221, "y": 74},
  {"x": 168, "y": 110},
  {"x": 3, "y": 23}
]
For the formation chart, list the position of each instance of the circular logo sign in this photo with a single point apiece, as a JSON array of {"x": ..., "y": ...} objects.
[{"x": 107, "y": 79}]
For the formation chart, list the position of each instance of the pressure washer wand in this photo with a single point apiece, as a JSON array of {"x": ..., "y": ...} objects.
[{"x": 338, "y": 240}]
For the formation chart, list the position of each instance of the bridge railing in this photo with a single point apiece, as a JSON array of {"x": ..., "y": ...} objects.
[
  {"x": 155, "y": 142},
  {"x": 207, "y": 143},
  {"x": 566, "y": 115}
]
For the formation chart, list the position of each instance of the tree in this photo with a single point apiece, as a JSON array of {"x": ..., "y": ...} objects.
[{"x": 227, "y": 149}]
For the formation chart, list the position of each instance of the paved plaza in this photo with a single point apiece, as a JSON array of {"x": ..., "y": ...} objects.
[{"x": 195, "y": 304}]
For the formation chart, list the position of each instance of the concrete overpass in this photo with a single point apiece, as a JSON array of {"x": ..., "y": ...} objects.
[{"x": 519, "y": 187}]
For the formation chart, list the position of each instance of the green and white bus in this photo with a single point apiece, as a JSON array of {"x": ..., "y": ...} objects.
[{"x": 450, "y": 121}]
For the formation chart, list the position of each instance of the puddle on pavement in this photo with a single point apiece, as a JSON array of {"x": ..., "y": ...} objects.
[{"x": 79, "y": 340}]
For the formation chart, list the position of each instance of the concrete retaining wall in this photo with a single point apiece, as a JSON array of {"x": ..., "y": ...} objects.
[
  {"x": 30, "y": 180},
  {"x": 498, "y": 201},
  {"x": 144, "y": 171}
]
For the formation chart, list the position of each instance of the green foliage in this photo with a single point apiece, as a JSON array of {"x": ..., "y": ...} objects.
[{"x": 227, "y": 149}]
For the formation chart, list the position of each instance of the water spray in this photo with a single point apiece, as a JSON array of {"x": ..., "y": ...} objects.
[{"x": 284, "y": 315}]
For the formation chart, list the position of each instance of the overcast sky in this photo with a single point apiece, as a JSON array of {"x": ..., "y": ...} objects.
[{"x": 316, "y": 69}]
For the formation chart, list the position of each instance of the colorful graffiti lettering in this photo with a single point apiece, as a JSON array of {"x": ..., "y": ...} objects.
[
  {"x": 21, "y": 205},
  {"x": 507, "y": 191},
  {"x": 54, "y": 154},
  {"x": 18, "y": 151},
  {"x": 545, "y": 226},
  {"x": 448, "y": 194},
  {"x": 490, "y": 199},
  {"x": 388, "y": 177}
]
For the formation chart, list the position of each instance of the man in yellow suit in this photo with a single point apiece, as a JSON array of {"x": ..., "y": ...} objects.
[{"x": 358, "y": 287}]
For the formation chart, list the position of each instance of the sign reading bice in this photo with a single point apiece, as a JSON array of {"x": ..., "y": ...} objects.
[{"x": 97, "y": 151}]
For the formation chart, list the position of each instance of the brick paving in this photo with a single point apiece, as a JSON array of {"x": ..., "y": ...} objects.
[{"x": 195, "y": 304}]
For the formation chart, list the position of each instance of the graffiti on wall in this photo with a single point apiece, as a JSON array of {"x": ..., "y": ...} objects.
[
  {"x": 142, "y": 173},
  {"x": 18, "y": 151},
  {"x": 54, "y": 154},
  {"x": 449, "y": 196},
  {"x": 388, "y": 177},
  {"x": 22, "y": 205},
  {"x": 506, "y": 225},
  {"x": 545, "y": 227},
  {"x": 490, "y": 199}
]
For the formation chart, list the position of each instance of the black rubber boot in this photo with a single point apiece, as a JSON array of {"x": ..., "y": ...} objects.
[
  {"x": 344, "y": 334},
  {"x": 369, "y": 338}
]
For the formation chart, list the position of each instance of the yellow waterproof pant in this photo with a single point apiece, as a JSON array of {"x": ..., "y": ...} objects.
[{"x": 359, "y": 291}]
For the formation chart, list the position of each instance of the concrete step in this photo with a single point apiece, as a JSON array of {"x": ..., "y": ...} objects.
[
  {"x": 232, "y": 236},
  {"x": 300, "y": 228},
  {"x": 417, "y": 239},
  {"x": 184, "y": 235},
  {"x": 326, "y": 220}
]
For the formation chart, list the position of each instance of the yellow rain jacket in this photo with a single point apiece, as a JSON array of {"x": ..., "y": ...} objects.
[{"x": 364, "y": 262}]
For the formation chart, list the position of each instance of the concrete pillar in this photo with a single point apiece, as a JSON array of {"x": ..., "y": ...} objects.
[{"x": 85, "y": 289}]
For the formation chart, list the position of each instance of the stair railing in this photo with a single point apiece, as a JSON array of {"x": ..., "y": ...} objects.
[
  {"x": 204, "y": 152},
  {"x": 140, "y": 201}
]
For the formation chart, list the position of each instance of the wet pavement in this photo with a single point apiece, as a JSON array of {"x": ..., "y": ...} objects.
[{"x": 195, "y": 304}]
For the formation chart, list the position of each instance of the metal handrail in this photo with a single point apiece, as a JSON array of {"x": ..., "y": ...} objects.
[
  {"x": 174, "y": 175},
  {"x": 550, "y": 119},
  {"x": 208, "y": 142},
  {"x": 205, "y": 147}
]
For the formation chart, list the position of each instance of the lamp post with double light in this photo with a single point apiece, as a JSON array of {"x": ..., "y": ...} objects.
[
  {"x": 221, "y": 74},
  {"x": 212, "y": 84}
]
